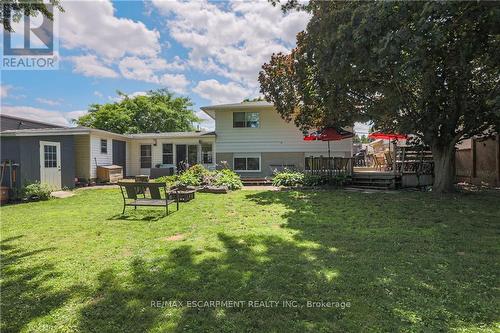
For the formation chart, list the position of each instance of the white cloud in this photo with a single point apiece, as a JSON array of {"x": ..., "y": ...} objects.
[
  {"x": 98, "y": 94},
  {"x": 93, "y": 26},
  {"x": 174, "y": 82},
  {"x": 206, "y": 123},
  {"x": 150, "y": 70},
  {"x": 4, "y": 90},
  {"x": 220, "y": 93},
  {"x": 47, "y": 116},
  {"x": 119, "y": 98},
  {"x": 115, "y": 47},
  {"x": 233, "y": 41},
  {"x": 138, "y": 93},
  {"x": 47, "y": 101},
  {"x": 90, "y": 65}
]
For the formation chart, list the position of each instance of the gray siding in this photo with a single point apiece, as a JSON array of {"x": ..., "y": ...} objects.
[
  {"x": 26, "y": 152},
  {"x": 9, "y": 150},
  {"x": 269, "y": 162}
]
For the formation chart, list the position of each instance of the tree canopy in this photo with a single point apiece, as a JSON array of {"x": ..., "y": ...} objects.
[
  {"x": 157, "y": 111},
  {"x": 15, "y": 9},
  {"x": 425, "y": 68}
]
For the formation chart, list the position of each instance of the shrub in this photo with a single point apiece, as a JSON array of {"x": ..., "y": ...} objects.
[
  {"x": 36, "y": 191},
  {"x": 188, "y": 178},
  {"x": 340, "y": 180},
  {"x": 194, "y": 176},
  {"x": 315, "y": 180},
  {"x": 199, "y": 171},
  {"x": 229, "y": 178},
  {"x": 169, "y": 180},
  {"x": 288, "y": 178}
]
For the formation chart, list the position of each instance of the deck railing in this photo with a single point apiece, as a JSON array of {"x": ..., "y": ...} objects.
[
  {"x": 414, "y": 159},
  {"x": 329, "y": 167}
]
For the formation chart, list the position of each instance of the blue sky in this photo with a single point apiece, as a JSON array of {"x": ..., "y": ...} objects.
[{"x": 209, "y": 51}]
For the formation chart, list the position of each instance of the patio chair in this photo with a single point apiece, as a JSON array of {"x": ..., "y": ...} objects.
[
  {"x": 379, "y": 162},
  {"x": 388, "y": 158}
]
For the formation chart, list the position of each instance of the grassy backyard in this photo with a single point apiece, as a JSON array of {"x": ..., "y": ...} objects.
[{"x": 407, "y": 262}]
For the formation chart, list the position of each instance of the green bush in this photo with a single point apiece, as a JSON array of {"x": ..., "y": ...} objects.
[
  {"x": 315, "y": 180},
  {"x": 169, "y": 180},
  {"x": 194, "y": 176},
  {"x": 197, "y": 175},
  {"x": 226, "y": 177},
  {"x": 288, "y": 178},
  {"x": 188, "y": 178},
  {"x": 36, "y": 191},
  {"x": 199, "y": 171}
]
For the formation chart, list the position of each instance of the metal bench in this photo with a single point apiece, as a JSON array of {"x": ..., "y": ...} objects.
[{"x": 135, "y": 194}]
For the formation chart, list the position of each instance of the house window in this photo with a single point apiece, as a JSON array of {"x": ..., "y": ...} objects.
[
  {"x": 246, "y": 163},
  {"x": 206, "y": 153},
  {"x": 246, "y": 119},
  {"x": 50, "y": 156},
  {"x": 192, "y": 154},
  {"x": 168, "y": 153},
  {"x": 104, "y": 146},
  {"x": 145, "y": 156}
]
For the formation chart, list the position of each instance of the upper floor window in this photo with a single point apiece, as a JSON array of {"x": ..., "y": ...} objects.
[
  {"x": 246, "y": 119},
  {"x": 104, "y": 146},
  {"x": 168, "y": 153}
]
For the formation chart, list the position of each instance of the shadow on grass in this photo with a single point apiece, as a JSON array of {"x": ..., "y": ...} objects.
[
  {"x": 413, "y": 262},
  {"x": 246, "y": 268},
  {"x": 399, "y": 266},
  {"x": 24, "y": 291},
  {"x": 142, "y": 215}
]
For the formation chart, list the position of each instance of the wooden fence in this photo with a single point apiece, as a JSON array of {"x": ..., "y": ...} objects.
[{"x": 329, "y": 167}]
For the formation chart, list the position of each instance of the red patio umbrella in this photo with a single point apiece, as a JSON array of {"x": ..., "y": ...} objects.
[
  {"x": 387, "y": 136},
  {"x": 329, "y": 134}
]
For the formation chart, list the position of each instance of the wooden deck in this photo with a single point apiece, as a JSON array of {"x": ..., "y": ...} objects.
[{"x": 375, "y": 179}]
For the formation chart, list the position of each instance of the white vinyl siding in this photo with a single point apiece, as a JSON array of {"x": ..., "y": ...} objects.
[
  {"x": 134, "y": 153},
  {"x": 273, "y": 135},
  {"x": 96, "y": 155}
]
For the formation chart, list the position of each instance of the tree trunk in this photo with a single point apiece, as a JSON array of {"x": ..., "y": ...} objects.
[{"x": 444, "y": 168}]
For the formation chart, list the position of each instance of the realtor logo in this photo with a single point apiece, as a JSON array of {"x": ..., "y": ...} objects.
[{"x": 31, "y": 45}]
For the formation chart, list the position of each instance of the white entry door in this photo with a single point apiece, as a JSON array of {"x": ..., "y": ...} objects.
[{"x": 50, "y": 164}]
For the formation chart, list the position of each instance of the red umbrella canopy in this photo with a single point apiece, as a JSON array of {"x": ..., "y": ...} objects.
[
  {"x": 329, "y": 134},
  {"x": 387, "y": 136}
]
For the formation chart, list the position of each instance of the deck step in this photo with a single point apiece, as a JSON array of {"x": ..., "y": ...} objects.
[
  {"x": 375, "y": 180},
  {"x": 256, "y": 181}
]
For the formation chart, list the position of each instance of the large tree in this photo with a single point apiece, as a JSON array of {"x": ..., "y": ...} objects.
[
  {"x": 15, "y": 9},
  {"x": 157, "y": 111},
  {"x": 426, "y": 68}
]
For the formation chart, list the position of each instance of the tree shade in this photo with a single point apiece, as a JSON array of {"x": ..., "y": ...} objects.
[{"x": 426, "y": 68}]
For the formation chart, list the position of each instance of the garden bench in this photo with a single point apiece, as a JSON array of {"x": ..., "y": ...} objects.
[{"x": 135, "y": 194}]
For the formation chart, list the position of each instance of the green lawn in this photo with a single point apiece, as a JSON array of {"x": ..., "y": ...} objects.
[{"x": 405, "y": 262}]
